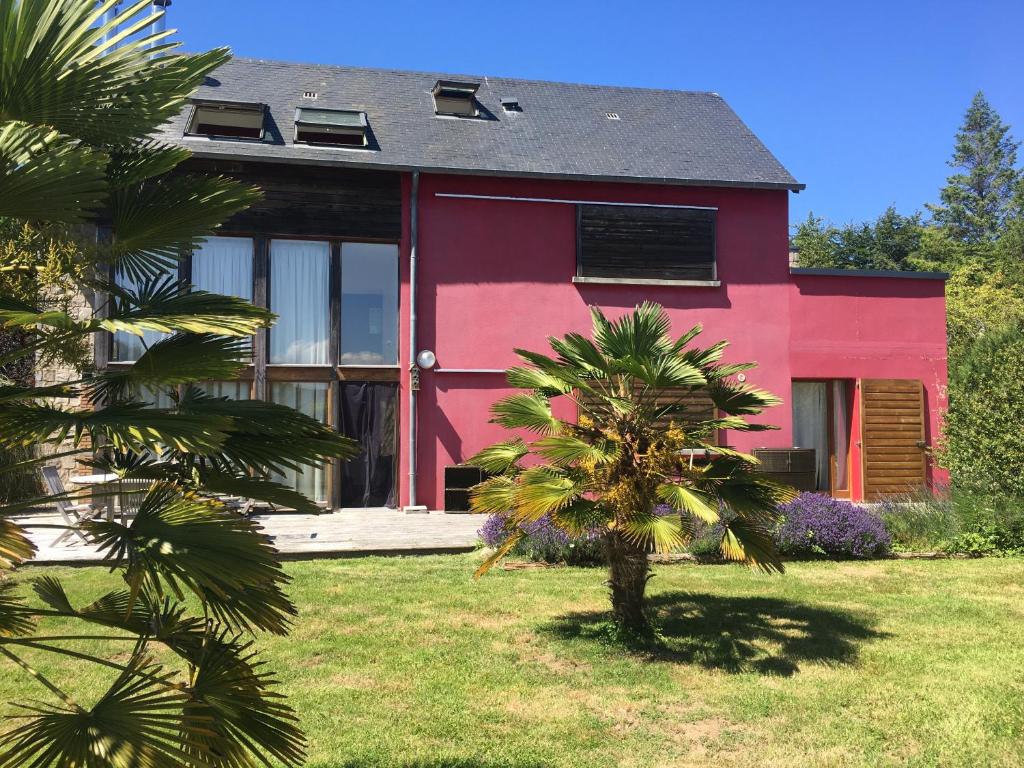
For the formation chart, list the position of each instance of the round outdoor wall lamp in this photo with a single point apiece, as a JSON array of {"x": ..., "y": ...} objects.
[{"x": 426, "y": 359}]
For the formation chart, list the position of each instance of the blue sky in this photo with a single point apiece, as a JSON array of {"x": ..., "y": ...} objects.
[{"x": 859, "y": 100}]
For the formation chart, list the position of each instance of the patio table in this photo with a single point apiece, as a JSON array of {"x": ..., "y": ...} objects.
[{"x": 100, "y": 479}]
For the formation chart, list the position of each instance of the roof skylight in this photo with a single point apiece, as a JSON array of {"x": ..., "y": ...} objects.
[
  {"x": 456, "y": 98},
  {"x": 226, "y": 120},
  {"x": 338, "y": 127}
]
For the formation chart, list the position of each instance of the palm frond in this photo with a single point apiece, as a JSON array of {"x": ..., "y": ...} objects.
[
  {"x": 642, "y": 333},
  {"x": 500, "y": 458},
  {"x": 495, "y": 495},
  {"x": 178, "y": 540},
  {"x": 497, "y": 555},
  {"x": 44, "y": 175},
  {"x": 15, "y": 547},
  {"x": 691, "y": 501},
  {"x": 741, "y": 399},
  {"x": 179, "y": 359},
  {"x": 577, "y": 351},
  {"x": 135, "y": 724},
  {"x": 565, "y": 450},
  {"x": 580, "y": 517},
  {"x": 526, "y": 411},
  {"x": 233, "y": 713},
  {"x": 646, "y": 530},
  {"x": 126, "y": 426},
  {"x": 15, "y": 616},
  {"x": 542, "y": 381},
  {"x": 544, "y": 490},
  {"x": 751, "y": 543},
  {"x": 663, "y": 372},
  {"x": 262, "y": 437},
  {"x": 157, "y": 220},
  {"x": 163, "y": 305},
  {"x": 223, "y": 483},
  {"x": 58, "y": 70},
  {"x": 133, "y": 163}
]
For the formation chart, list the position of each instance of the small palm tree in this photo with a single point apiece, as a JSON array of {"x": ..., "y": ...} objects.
[
  {"x": 78, "y": 101},
  {"x": 631, "y": 450}
]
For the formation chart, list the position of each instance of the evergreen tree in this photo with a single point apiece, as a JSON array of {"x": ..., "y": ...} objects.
[
  {"x": 892, "y": 241},
  {"x": 978, "y": 200}
]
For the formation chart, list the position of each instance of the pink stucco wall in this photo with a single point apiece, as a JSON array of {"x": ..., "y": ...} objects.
[
  {"x": 497, "y": 274},
  {"x": 872, "y": 328}
]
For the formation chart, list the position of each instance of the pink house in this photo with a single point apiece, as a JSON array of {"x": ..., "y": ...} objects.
[{"x": 465, "y": 216}]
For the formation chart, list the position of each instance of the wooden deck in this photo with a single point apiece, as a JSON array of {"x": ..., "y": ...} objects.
[{"x": 346, "y": 533}]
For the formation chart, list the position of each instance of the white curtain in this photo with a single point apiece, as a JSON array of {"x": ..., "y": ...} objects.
[
  {"x": 299, "y": 295},
  {"x": 224, "y": 265},
  {"x": 309, "y": 398},
  {"x": 810, "y": 424},
  {"x": 369, "y": 304},
  {"x": 127, "y": 346},
  {"x": 233, "y": 390}
]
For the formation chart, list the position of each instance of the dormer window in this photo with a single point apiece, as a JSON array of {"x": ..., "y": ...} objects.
[
  {"x": 226, "y": 120},
  {"x": 336, "y": 127},
  {"x": 456, "y": 98}
]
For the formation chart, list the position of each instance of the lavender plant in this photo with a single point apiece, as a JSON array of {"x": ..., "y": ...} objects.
[{"x": 817, "y": 524}]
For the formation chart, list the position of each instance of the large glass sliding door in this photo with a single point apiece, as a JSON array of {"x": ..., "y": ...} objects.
[
  {"x": 312, "y": 399},
  {"x": 821, "y": 420},
  {"x": 332, "y": 353},
  {"x": 369, "y": 416}
]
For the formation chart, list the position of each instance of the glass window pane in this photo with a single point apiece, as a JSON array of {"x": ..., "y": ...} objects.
[
  {"x": 155, "y": 398},
  {"x": 369, "y": 304},
  {"x": 299, "y": 290},
  {"x": 310, "y": 399},
  {"x": 127, "y": 346},
  {"x": 233, "y": 390},
  {"x": 224, "y": 265}
]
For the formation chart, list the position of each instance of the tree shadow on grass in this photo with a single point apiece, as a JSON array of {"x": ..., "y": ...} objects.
[{"x": 734, "y": 634}]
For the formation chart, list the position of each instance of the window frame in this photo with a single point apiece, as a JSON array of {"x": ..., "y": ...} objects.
[
  {"x": 451, "y": 88},
  {"x": 191, "y": 123},
  {"x": 326, "y": 129}
]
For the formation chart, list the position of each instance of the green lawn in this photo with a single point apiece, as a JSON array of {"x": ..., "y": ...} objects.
[{"x": 407, "y": 662}]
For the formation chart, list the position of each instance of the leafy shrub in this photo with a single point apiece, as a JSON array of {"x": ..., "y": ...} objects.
[
  {"x": 989, "y": 525},
  {"x": 957, "y": 523},
  {"x": 920, "y": 522},
  {"x": 983, "y": 444},
  {"x": 544, "y": 542},
  {"x": 816, "y": 524}
]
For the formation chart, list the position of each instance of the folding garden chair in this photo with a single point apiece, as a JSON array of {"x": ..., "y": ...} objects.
[{"x": 73, "y": 514}]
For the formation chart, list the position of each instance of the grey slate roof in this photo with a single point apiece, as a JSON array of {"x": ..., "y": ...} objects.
[{"x": 683, "y": 137}]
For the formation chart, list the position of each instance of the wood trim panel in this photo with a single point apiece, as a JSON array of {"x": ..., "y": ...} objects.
[{"x": 892, "y": 436}]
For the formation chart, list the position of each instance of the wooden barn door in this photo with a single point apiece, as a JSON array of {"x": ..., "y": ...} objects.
[{"x": 892, "y": 436}]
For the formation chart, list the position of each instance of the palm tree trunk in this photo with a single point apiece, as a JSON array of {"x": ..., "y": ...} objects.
[{"x": 627, "y": 578}]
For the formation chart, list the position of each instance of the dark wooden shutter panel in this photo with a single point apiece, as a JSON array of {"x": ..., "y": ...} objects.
[
  {"x": 650, "y": 243},
  {"x": 892, "y": 436},
  {"x": 698, "y": 403}
]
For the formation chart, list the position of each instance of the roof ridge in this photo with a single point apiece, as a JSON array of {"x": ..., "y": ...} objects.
[{"x": 435, "y": 73}]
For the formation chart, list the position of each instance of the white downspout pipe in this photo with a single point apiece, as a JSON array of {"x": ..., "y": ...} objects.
[
  {"x": 414, "y": 373},
  {"x": 108, "y": 17},
  {"x": 160, "y": 22}
]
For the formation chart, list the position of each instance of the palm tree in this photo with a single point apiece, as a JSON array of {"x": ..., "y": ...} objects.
[
  {"x": 635, "y": 389},
  {"x": 78, "y": 100}
]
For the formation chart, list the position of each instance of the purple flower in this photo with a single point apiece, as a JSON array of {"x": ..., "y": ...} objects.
[{"x": 813, "y": 523}]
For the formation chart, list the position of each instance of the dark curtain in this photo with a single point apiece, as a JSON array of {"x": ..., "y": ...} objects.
[{"x": 368, "y": 415}]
